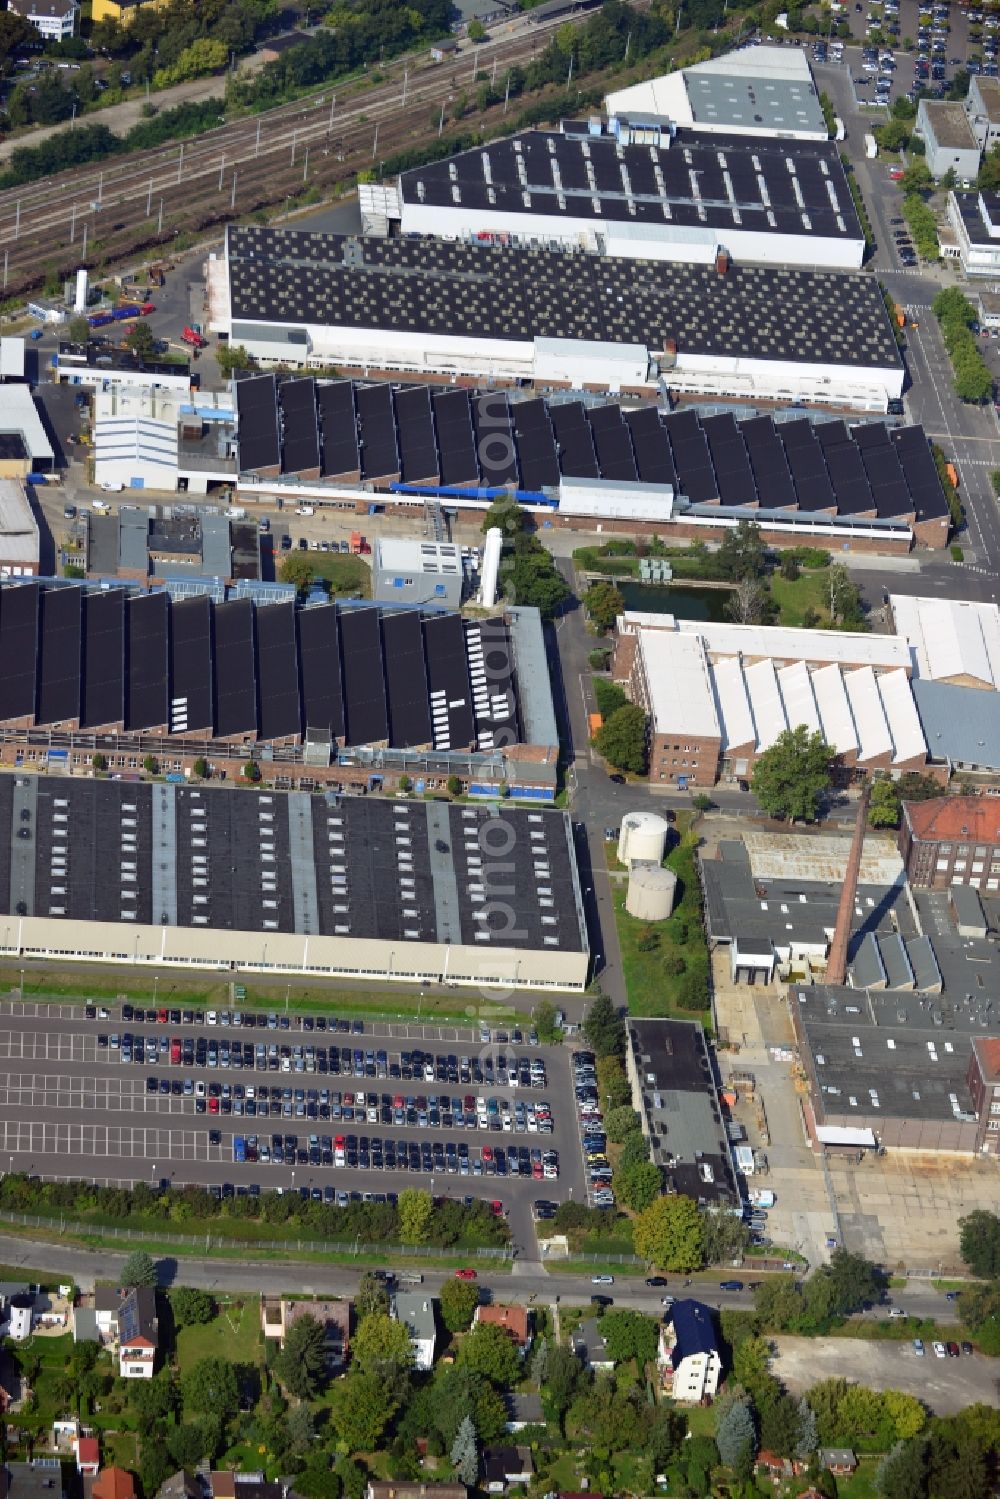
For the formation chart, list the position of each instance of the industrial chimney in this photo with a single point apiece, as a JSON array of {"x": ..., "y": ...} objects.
[
  {"x": 491, "y": 567},
  {"x": 836, "y": 965}
]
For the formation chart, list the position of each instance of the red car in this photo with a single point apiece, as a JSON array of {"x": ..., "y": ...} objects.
[
  {"x": 213, "y": 1105},
  {"x": 466, "y": 1274},
  {"x": 162, "y": 1016}
]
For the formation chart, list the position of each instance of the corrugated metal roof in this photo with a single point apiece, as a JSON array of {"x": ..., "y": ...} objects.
[
  {"x": 765, "y": 701},
  {"x": 797, "y": 694},
  {"x": 732, "y": 704},
  {"x": 834, "y": 709},
  {"x": 869, "y": 719},
  {"x": 959, "y": 725},
  {"x": 900, "y": 711}
]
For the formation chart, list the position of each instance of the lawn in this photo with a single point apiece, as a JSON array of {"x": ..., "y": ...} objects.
[
  {"x": 233, "y": 1335},
  {"x": 395, "y": 1003},
  {"x": 345, "y": 574},
  {"x": 810, "y": 590},
  {"x": 659, "y": 960}
]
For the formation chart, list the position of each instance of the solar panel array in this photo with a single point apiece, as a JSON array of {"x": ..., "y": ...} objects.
[
  {"x": 488, "y": 291},
  {"x": 194, "y": 856},
  {"x": 358, "y": 675},
  {"x": 457, "y": 437},
  {"x": 724, "y": 182}
]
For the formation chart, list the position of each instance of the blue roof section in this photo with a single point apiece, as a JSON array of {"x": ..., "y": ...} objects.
[
  {"x": 694, "y": 1330},
  {"x": 960, "y": 724}
]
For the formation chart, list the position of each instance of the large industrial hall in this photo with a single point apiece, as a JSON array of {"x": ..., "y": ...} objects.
[
  {"x": 555, "y": 317},
  {"x": 425, "y": 891}
]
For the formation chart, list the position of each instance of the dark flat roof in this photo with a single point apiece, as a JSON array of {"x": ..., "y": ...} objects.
[
  {"x": 445, "y": 287},
  {"x": 398, "y": 870},
  {"x": 721, "y": 182}
]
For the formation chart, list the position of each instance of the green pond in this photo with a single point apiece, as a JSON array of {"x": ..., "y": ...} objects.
[{"x": 671, "y": 598}]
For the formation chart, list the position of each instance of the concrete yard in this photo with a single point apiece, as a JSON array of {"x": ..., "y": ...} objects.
[
  {"x": 946, "y": 1385},
  {"x": 903, "y": 1209}
]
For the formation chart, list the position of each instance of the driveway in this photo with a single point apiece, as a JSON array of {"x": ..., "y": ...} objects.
[{"x": 945, "y": 1385}]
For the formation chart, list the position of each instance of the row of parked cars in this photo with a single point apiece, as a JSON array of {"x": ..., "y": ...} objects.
[
  {"x": 373, "y": 1153},
  {"x": 593, "y": 1138}
]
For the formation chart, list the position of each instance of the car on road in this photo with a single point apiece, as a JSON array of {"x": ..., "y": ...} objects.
[
  {"x": 953, "y": 1350},
  {"x": 896, "y": 1311},
  {"x": 655, "y": 1280},
  {"x": 602, "y": 1280},
  {"x": 918, "y": 1347},
  {"x": 465, "y": 1274},
  {"x": 730, "y": 1285},
  {"x": 967, "y": 1347},
  {"x": 940, "y": 1351},
  {"x": 952, "y": 1295}
]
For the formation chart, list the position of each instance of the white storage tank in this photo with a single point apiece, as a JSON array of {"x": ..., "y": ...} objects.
[
  {"x": 651, "y": 892},
  {"x": 82, "y": 290},
  {"x": 643, "y": 836}
]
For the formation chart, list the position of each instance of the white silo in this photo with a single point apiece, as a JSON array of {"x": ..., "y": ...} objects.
[
  {"x": 652, "y": 890},
  {"x": 82, "y": 290},
  {"x": 643, "y": 836},
  {"x": 491, "y": 567}
]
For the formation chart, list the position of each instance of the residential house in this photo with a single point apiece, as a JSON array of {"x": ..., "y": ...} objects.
[
  {"x": 126, "y": 1318},
  {"x": 277, "y": 1316},
  {"x": 589, "y": 1346},
  {"x": 393, "y": 1490},
  {"x": 111, "y": 1483},
  {"x": 416, "y": 1311},
  {"x": 88, "y": 1456},
  {"x": 689, "y": 1358},
  {"x": 840, "y": 1461},
  {"x": 515, "y": 1320},
  {"x": 39, "y": 1479},
  {"x": 17, "y": 1304},
  {"x": 524, "y": 1410},
  {"x": 180, "y": 1485},
  {"x": 138, "y": 1333},
  {"x": 54, "y": 20},
  {"x": 505, "y": 1466}
]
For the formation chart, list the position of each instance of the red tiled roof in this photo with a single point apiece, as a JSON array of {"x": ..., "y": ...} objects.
[
  {"x": 951, "y": 817},
  {"x": 114, "y": 1483},
  {"x": 513, "y": 1319},
  {"x": 88, "y": 1450},
  {"x": 987, "y": 1049}
]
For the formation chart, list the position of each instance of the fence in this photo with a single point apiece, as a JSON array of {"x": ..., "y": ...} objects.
[{"x": 211, "y": 1240}]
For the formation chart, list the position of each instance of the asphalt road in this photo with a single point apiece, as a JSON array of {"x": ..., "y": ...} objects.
[
  {"x": 969, "y": 435},
  {"x": 527, "y": 1283},
  {"x": 71, "y": 1109}
]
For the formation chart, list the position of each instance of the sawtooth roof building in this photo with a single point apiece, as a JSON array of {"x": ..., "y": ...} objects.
[
  {"x": 951, "y": 640},
  {"x": 554, "y": 317},
  {"x": 196, "y": 876},
  {"x": 717, "y": 695},
  {"x": 639, "y": 191},
  {"x": 575, "y": 459},
  {"x": 330, "y": 692}
]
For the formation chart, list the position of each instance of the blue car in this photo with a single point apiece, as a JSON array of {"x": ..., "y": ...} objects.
[{"x": 239, "y": 1148}]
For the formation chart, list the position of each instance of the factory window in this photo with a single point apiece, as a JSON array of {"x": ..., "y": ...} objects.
[
  {"x": 942, "y": 864},
  {"x": 995, "y": 1108},
  {"x": 993, "y": 1124},
  {"x": 977, "y": 868},
  {"x": 944, "y": 848},
  {"x": 963, "y": 848},
  {"x": 959, "y": 864},
  {"x": 980, "y": 851}
]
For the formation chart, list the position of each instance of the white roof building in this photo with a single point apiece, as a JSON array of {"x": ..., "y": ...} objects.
[
  {"x": 760, "y": 91},
  {"x": 747, "y": 695},
  {"x": 951, "y": 640},
  {"x": 19, "y": 414},
  {"x": 19, "y": 547},
  {"x": 681, "y": 699},
  {"x": 135, "y": 452}
]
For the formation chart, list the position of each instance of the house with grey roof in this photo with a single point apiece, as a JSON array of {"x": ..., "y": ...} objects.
[
  {"x": 416, "y": 1312},
  {"x": 590, "y": 1347}
]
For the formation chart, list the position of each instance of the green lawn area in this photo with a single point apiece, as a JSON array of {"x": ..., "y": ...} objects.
[
  {"x": 700, "y": 1420},
  {"x": 344, "y": 573},
  {"x": 810, "y": 590},
  {"x": 233, "y": 1335},
  {"x": 652, "y": 987}
]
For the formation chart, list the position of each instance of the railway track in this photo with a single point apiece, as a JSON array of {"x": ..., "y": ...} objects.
[{"x": 103, "y": 212}]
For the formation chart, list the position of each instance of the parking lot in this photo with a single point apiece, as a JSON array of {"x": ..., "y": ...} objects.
[
  {"x": 174, "y": 1096},
  {"x": 946, "y": 1385}
]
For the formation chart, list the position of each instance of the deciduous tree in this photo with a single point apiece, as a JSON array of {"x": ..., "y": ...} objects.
[
  {"x": 360, "y": 1409},
  {"x": 603, "y": 603},
  {"x": 210, "y": 1388},
  {"x": 191, "y": 1306},
  {"x": 980, "y": 1243},
  {"x": 669, "y": 1235},
  {"x": 621, "y": 739},
  {"x": 490, "y": 1350},
  {"x": 381, "y": 1344},
  {"x": 459, "y": 1299},
  {"x": 415, "y": 1208},
  {"x": 791, "y": 776}
]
